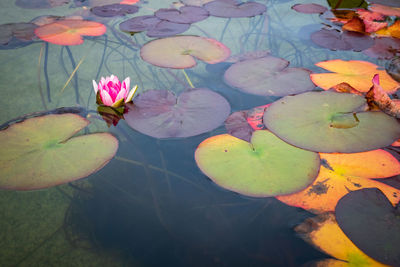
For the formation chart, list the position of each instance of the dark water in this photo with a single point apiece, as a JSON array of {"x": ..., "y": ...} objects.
[{"x": 150, "y": 205}]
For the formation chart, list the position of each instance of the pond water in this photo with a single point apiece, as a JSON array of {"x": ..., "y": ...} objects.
[{"x": 166, "y": 185}]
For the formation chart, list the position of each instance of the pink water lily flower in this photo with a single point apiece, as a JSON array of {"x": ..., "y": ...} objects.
[{"x": 112, "y": 93}]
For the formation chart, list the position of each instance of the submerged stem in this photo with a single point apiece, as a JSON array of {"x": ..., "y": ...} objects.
[
  {"x": 38, "y": 74},
  {"x": 187, "y": 78}
]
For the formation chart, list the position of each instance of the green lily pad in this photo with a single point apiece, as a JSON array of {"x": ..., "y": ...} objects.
[
  {"x": 330, "y": 122},
  {"x": 177, "y": 52},
  {"x": 39, "y": 152},
  {"x": 265, "y": 167}
]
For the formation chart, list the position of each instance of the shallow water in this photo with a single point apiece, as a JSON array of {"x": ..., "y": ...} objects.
[{"x": 150, "y": 205}]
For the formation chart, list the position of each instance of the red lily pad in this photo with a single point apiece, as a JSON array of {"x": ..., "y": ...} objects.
[
  {"x": 177, "y": 52},
  {"x": 69, "y": 31},
  {"x": 161, "y": 114},
  {"x": 330, "y": 122},
  {"x": 336, "y": 40},
  {"x": 384, "y": 48},
  {"x": 309, "y": 8},
  {"x": 114, "y": 10},
  {"x": 40, "y": 152},
  {"x": 368, "y": 218},
  {"x": 186, "y": 14},
  {"x": 268, "y": 76},
  {"x": 230, "y": 9}
]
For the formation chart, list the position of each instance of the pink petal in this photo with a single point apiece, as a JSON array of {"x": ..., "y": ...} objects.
[
  {"x": 121, "y": 94},
  {"x": 105, "y": 98},
  {"x": 375, "y": 80},
  {"x": 126, "y": 83},
  {"x": 113, "y": 92}
]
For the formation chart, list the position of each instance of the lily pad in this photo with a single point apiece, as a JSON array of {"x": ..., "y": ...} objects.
[
  {"x": 268, "y": 76},
  {"x": 229, "y": 9},
  {"x": 40, "y": 152},
  {"x": 114, "y": 10},
  {"x": 186, "y": 14},
  {"x": 325, "y": 234},
  {"x": 69, "y": 31},
  {"x": 392, "y": 3},
  {"x": 384, "y": 48},
  {"x": 309, "y": 8},
  {"x": 161, "y": 114},
  {"x": 177, "y": 52},
  {"x": 40, "y": 3},
  {"x": 139, "y": 24},
  {"x": 337, "y": 40},
  {"x": 357, "y": 73},
  {"x": 265, "y": 167},
  {"x": 330, "y": 122},
  {"x": 344, "y": 172},
  {"x": 236, "y": 125},
  {"x": 165, "y": 28},
  {"x": 368, "y": 218}
]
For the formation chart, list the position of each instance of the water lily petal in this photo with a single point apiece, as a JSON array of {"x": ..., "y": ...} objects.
[
  {"x": 95, "y": 87},
  {"x": 126, "y": 84},
  {"x": 106, "y": 98},
  {"x": 121, "y": 95},
  {"x": 131, "y": 94}
]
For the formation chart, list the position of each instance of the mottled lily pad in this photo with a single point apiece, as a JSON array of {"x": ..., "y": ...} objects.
[
  {"x": 368, "y": 218},
  {"x": 161, "y": 114},
  {"x": 114, "y": 10},
  {"x": 309, "y": 8},
  {"x": 265, "y": 167},
  {"x": 177, "y": 52},
  {"x": 336, "y": 40},
  {"x": 330, "y": 122},
  {"x": 229, "y": 9},
  {"x": 40, "y": 152},
  {"x": 268, "y": 76},
  {"x": 186, "y": 14}
]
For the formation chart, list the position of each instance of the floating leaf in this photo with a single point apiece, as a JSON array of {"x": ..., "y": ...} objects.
[
  {"x": 166, "y": 28},
  {"x": 391, "y": 31},
  {"x": 330, "y": 122},
  {"x": 392, "y": 3},
  {"x": 139, "y": 24},
  {"x": 354, "y": 72},
  {"x": 255, "y": 117},
  {"x": 177, "y": 52},
  {"x": 69, "y": 31},
  {"x": 114, "y": 10},
  {"x": 195, "y": 2},
  {"x": 325, "y": 234},
  {"x": 309, "y": 8},
  {"x": 341, "y": 173},
  {"x": 236, "y": 125},
  {"x": 248, "y": 55},
  {"x": 385, "y": 10},
  {"x": 384, "y": 48},
  {"x": 393, "y": 68},
  {"x": 129, "y": 2},
  {"x": 265, "y": 167},
  {"x": 336, "y": 40},
  {"x": 40, "y": 152},
  {"x": 230, "y": 9},
  {"x": 373, "y": 21},
  {"x": 268, "y": 76},
  {"x": 372, "y": 223},
  {"x": 354, "y": 25},
  {"x": 186, "y": 14},
  {"x": 159, "y": 113}
]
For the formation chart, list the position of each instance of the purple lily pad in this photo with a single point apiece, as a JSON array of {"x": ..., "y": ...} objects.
[
  {"x": 161, "y": 114},
  {"x": 165, "y": 28},
  {"x": 5, "y": 33},
  {"x": 229, "y": 9},
  {"x": 384, "y": 48},
  {"x": 392, "y": 3},
  {"x": 248, "y": 55},
  {"x": 31, "y": 4},
  {"x": 336, "y": 40},
  {"x": 21, "y": 31},
  {"x": 309, "y": 8},
  {"x": 368, "y": 218},
  {"x": 236, "y": 124},
  {"x": 268, "y": 76},
  {"x": 114, "y": 10},
  {"x": 139, "y": 24},
  {"x": 186, "y": 14}
]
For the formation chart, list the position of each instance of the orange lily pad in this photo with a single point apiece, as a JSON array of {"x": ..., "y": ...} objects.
[
  {"x": 177, "y": 52},
  {"x": 341, "y": 173},
  {"x": 357, "y": 73},
  {"x": 325, "y": 234},
  {"x": 69, "y": 31},
  {"x": 393, "y": 30}
]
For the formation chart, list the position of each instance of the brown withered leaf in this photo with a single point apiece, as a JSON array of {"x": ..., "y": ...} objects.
[
  {"x": 346, "y": 88},
  {"x": 376, "y": 96}
]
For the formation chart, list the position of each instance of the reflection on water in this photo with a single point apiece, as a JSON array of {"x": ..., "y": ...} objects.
[{"x": 151, "y": 205}]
